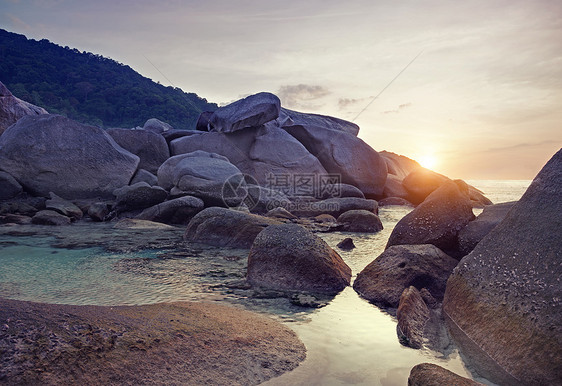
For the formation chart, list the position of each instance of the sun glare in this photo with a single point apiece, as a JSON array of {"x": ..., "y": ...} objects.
[{"x": 427, "y": 161}]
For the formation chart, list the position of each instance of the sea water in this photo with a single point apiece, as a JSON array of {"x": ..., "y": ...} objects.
[{"x": 349, "y": 341}]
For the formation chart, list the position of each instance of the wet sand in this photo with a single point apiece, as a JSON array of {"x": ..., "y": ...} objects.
[{"x": 166, "y": 343}]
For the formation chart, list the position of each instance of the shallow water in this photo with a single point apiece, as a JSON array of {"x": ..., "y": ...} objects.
[{"x": 349, "y": 341}]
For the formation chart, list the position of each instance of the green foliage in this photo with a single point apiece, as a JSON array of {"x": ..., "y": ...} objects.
[{"x": 90, "y": 88}]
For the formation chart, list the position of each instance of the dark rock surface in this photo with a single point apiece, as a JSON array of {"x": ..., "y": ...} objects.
[
  {"x": 9, "y": 187},
  {"x": 13, "y": 108},
  {"x": 476, "y": 230},
  {"x": 438, "y": 220},
  {"x": 389, "y": 201},
  {"x": 205, "y": 175},
  {"x": 343, "y": 154},
  {"x": 412, "y": 316},
  {"x": 223, "y": 227},
  {"x": 138, "y": 196},
  {"x": 503, "y": 302},
  {"x": 399, "y": 267},
  {"x": 64, "y": 207},
  {"x": 203, "y": 121},
  {"x": 290, "y": 257},
  {"x": 339, "y": 190},
  {"x": 252, "y": 111},
  {"x": 429, "y": 374},
  {"x": 177, "y": 211},
  {"x": 346, "y": 244},
  {"x": 99, "y": 210},
  {"x": 144, "y": 176},
  {"x": 51, "y": 153},
  {"x": 280, "y": 213},
  {"x": 360, "y": 221},
  {"x": 149, "y": 146},
  {"x": 50, "y": 217}
]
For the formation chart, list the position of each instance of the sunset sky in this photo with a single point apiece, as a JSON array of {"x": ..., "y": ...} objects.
[{"x": 484, "y": 97}]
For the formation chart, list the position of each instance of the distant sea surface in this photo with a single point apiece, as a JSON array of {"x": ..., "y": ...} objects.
[
  {"x": 349, "y": 341},
  {"x": 501, "y": 190}
]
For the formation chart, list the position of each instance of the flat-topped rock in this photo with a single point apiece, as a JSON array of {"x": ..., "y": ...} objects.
[{"x": 252, "y": 111}]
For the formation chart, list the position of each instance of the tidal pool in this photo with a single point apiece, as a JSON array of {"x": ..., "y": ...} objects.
[{"x": 349, "y": 341}]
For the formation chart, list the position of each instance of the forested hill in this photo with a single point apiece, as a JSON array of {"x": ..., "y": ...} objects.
[{"x": 90, "y": 88}]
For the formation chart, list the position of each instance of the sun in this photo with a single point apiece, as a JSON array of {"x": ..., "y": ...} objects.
[{"x": 428, "y": 161}]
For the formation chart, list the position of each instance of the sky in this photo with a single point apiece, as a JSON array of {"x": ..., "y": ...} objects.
[{"x": 474, "y": 86}]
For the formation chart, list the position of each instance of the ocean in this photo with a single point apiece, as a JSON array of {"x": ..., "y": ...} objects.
[{"x": 349, "y": 341}]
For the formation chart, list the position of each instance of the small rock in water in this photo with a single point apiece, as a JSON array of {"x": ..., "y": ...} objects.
[
  {"x": 346, "y": 244},
  {"x": 308, "y": 300}
]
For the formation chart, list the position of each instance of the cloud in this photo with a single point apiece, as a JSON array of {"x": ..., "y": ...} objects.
[
  {"x": 398, "y": 109},
  {"x": 302, "y": 96},
  {"x": 518, "y": 146},
  {"x": 345, "y": 102},
  {"x": 18, "y": 23}
]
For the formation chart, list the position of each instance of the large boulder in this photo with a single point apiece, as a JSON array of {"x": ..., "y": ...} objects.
[
  {"x": 476, "y": 230},
  {"x": 223, "y": 227},
  {"x": 51, "y": 153},
  {"x": 290, "y": 118},
  {"x": 438, "y": 220},
  {"x": 9, "y": 187},
  {"x": 149, "y": 146},
  {"x": 205, "y": 175},
  {"x": 268, "y": 154},
  {"x": 252, "y": 111},
  {"x": 503, "y": 303},
  {"x": 360, "y": 221},
  {"x": 290, "y": 257},
  {"x": 421, "y": 182},
  {"x": 13, "y": 108},
  {"x": 429, "y": 374},
  {"x": 343, "y": 154},
  {"x": 177, "y": 211},
  {"x": 422, "y": 266}
]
